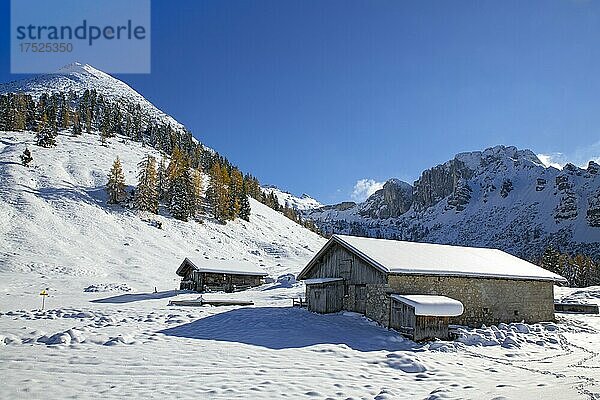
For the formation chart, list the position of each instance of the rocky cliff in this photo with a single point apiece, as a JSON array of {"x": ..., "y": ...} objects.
[{"x": 501, "y": 197}]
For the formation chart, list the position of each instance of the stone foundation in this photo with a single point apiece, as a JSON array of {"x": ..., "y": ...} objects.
[{"x": 486, "y": 301}]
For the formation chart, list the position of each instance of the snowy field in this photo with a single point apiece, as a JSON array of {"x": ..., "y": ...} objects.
[
  {"x": 118, "y": 344},
  {"x": 105, "y": 334}
]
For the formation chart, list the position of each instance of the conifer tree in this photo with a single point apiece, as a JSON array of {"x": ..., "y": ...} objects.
[
  {"x": 116, "y": 183},
  {"x": 174, "y": 168},
  {"x": 26, "y": 157},
  {"x": 224, "y": 193},
  {"x": 4, "y": 113},
  {"x": 198, "y": 189},
  {"x": 211, "y": 191},
  {"x": 162, "y": 181},
  {"x": 582, "y": 264},
  {"x": 65, "y": 112},
  {"x": 244, "y": 204},
  {"x": 46, "y": 135},
  {"x": 181, "y": 190},
  {"x": 76, "y": 128},
  {"x": 182, "y": 196},
  {"x": 146, "y": 193},
  {"x": 104, "y": 130},
  {"x": 87, "y": 115},
  {"x": 550, "y": 260},
  {"x": 235, "y": 193},
  {"x": 175, "y": 163},
  {"x": 218, "y": 196},
  {"x": 31, "y": 114}
]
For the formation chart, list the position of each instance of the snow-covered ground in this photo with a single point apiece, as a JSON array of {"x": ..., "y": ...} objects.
[
  {"x": 132, "y": 344},
  {"x": 106, "y": 334}
]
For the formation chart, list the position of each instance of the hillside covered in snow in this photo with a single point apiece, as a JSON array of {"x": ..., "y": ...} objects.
[
  {"x": 55, "y": 222},
  {"x": 287, "y": 199}
]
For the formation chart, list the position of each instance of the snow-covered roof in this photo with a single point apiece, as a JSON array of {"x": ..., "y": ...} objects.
[
  {"x": 234, "y": 267},
  {"x": 316, "y": 281},
  {"x": 399, "y": 257},
  {"x": 439, "y": 306}
]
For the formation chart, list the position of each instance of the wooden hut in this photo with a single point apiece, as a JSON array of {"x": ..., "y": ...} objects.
[
  {"x": 325, "y": 295},
  {"x": 204, "y": 275},
  {"x": 423, "y": 317}
]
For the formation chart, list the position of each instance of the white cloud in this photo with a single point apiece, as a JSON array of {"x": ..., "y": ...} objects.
[
  {"x": 580, "y": 157},
  {"x": 364, "y": 188},
  {"x": 555, "y": 160}
]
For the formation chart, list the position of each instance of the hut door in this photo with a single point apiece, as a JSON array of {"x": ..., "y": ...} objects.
[
  {"x": 360, "y": 298},
  {"x": 316, "y": 300}
]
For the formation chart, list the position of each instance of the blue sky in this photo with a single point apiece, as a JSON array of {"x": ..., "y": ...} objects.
[{"x": 314, "y": 96}]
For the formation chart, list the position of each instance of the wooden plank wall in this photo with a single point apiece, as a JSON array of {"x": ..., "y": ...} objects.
[
  {"x": 427, "y": 327},
  {"x": 418, "y": 327},
  {"x": 219, "y": 281},
  {"x": 340, "y": 263},
  {"x": 402, "y": 316}
]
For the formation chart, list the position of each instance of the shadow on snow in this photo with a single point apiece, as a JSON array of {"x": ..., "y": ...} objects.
[
  {"x": 284, "y": 328},
  {"x": 94, "y": 195},
  {"x": 133, "y": 297}
]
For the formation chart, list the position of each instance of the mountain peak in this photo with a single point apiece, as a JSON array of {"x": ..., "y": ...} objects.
[
  {"x": 78, "y": 77},
  {"x": 397, "y": 182},
  {"x": 474, "y": 159},
  {"x": 81, "y": 68}
]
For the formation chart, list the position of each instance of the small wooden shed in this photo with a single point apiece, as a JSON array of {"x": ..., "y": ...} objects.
[
  {"x": 423, "y": 317},
  {"x": 204, "y": 275},
  {"x": 324, "y": 295}
]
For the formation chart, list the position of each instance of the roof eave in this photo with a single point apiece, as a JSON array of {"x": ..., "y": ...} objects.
[
  {"x": 241, "y": 273},
  {"x": 482, "y": 276},
  {"x": 189, "y": 262},
  {"x": 388, "y": 271},
  {"x": 184, "y": 263}
]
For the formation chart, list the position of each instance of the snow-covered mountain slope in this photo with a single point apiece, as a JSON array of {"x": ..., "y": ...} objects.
[
  {"x": 55, "y": 222},
  {"x": 500, "y": 197},
  {"x": 78, "y": 77},
  {"x": 304, "y": 202}
]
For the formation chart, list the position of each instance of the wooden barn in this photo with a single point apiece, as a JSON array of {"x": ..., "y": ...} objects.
[
  {"x": 423, "y": 317},
  {"x": 362, "y": 274},
  {"x": 204, "y": 275}
]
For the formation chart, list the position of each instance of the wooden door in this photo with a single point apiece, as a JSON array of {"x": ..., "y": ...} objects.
[
  {"x": 316, "y": 300},
  {"x": 335, "y": 297},
  {"x": 360, "y": 298}
]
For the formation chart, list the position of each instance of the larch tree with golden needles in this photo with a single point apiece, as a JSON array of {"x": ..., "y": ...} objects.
[{"x": 116, "y": 183}]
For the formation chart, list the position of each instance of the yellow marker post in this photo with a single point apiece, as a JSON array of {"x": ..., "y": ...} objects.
[{"x": 43, "y": 294}]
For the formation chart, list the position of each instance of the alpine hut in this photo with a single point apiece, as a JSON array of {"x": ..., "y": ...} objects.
[
  {"x": 204, "y": 275},
  {"x": 376, "y": 277}
]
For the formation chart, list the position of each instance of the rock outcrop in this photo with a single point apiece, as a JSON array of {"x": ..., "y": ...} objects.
[
  {"x": 393, "y": 200},
  {"x": 593, "y": 212},
  {"x": 438, "y": 182}
]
